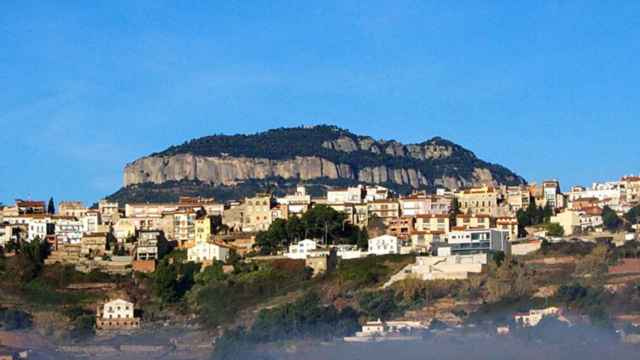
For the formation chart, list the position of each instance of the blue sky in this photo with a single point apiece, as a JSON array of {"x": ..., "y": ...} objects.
[{"x": 549, "y": 89}]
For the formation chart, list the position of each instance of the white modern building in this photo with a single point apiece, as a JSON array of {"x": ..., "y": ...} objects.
[
  {"x": 302, "y": 249},
  {"x": 207, "y": 252},
  {"x": 478, "y": 241},
  {"x": 384, "y": 245}
]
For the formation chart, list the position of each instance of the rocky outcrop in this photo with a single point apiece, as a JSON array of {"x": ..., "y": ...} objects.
[
  {"x": 231, "y": 170},
  {"x": 323, "y": 154},
  {"x": 429, "y": 150}
]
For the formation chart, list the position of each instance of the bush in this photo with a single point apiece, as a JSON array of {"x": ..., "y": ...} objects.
[
  {"x": 13, "y": 319},
  {"x": 379, "y": 304}
]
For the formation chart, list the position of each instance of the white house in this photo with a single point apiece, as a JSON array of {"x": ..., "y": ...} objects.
[
  {"x": 204, "y": 252},
  {"x": 117, "y": 314},
  {"x": 384, "y": 245},
  {"x": 534, "y": 316},
  {"x": 117, "y": 309},
  {"x": 302, "y": 249}
]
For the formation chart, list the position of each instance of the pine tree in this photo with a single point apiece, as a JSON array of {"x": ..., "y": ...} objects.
[{"x": 51, "y": 208}]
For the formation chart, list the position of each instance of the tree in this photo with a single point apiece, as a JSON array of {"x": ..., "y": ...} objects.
[
  {"x": 547, "y": 213},
  {"x": 324, "y": 222},
  {"x": 633, "y": 216},
  {"x": 295, "y": 228},
  {"x": 610, "y": 219},
  {"x": 454, "y": 211},
  {"x": 51, "y": 208},
  {"x": 595, "y": 265},
  {"x": 554, "y": 229}
]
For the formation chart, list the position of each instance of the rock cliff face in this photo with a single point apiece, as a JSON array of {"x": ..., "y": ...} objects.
[{"x": 317, "y": 154}]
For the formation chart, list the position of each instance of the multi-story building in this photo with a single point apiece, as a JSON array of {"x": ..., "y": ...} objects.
[
  {"x": 552, "y": 196},
  {"x": 68, "y": 230},
  {"x": 124, "y": 229},
  {"x": 384, "y": 209},
  {"x": 257, "y": 213},
  {"x": 509, "y": 224},
  {"x": 377, "y": 192},
  {"x": 424, "y": 204},
  {"x": 72, "y": 208},
  {"x": 352, "y": 195},
  {"x": 478, "y": 241},
  {"x": 184, "y": 230},
  {"x": 431, "y": 223},
  {"x": 203, "y": 225},
  {"x": 297, "y": 203},
  {"x": 25, "y": 207},
  {"x": 109, "y": 212},
  {"x": 478, "y": 221},
  {"x": 401, "y": 227},
  {"x": 384, "y": 245},
  {"x": 151, "y": 245},
  {"x": 632, "y": 184},
  {"x": 117, "y": 314},
  {"x": 480, "y": 200},
  {"x": 517, "y": 197},
  {"x": 208, "y": 252},
  {"x": 90, "y": 221}
]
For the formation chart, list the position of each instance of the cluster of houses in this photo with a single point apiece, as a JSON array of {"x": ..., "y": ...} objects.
[{"x": 116, "y": 238}]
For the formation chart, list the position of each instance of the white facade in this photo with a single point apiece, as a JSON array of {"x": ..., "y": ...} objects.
[
  {"x": 534, "y": 316},
  {"x": 118, "y": 309},
  {"x": 374, "y": 193},
  {"x": 201, "y": 252},
  {"x": 37, "y": 229},
  {"x": 352, "y": 195},
  {"x": 384, "y": 245},
  {"x": 478, "y": 241},
  {"x": 68, "y": 231},
  {"x": 90, "y": 222},
  {"x": 302, "y": 249}
]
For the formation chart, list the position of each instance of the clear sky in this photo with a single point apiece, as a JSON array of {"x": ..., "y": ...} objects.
[{"x": 549, "y": 89}]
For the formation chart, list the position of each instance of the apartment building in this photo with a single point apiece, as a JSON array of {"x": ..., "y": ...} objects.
[
  {"x": 353, "y": 195},
  {"x": 257, "y": 213},
  {"x": 478, "y": 221},
  {"x": 401, "y": 227},
  {"x": 151, "y": 245},
  {"x": 433, "y": 223},
  {"x": 479, "y": 200},
  {"x": 424, "y": 204},
  {"x": 509, "y": 224},
  {"x": 384, "y": 209},
  {"x": 72, "y": 208}
]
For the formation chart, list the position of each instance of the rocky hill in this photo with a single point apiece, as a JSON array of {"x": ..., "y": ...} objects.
[{"x": 314, "y": 155}]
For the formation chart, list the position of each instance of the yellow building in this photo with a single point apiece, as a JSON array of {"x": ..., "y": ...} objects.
[
  {"x": 480, "y": 200},
  {"x": 478, "y": 221},
  {"x": 203, "y": 229},
  {"x": 433, "y": 223}
]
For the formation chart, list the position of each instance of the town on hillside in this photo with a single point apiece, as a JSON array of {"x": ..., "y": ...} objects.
[{"x": 195, "y": 250}]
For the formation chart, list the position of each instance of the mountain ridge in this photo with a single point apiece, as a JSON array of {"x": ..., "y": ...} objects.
[{"x": 310, "y": 154}]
